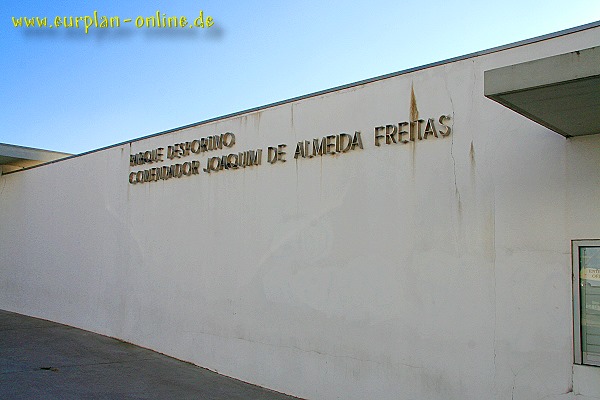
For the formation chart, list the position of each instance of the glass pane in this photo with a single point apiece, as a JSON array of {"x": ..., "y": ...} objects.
[{"x": 589, "y": 274}]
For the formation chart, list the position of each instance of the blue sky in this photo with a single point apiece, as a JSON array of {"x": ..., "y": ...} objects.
[{"x": 64, "y": 90}]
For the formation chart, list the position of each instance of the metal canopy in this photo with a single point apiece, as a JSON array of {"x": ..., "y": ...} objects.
[
  {"x": 561, "y": 92},
  {"x": 17, "y": 157}
]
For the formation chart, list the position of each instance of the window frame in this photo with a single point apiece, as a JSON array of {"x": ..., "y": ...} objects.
[{"x": 577, "y": 340}]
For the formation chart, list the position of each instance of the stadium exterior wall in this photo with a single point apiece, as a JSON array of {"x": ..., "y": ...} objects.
[{"x": 434, "y": 269}]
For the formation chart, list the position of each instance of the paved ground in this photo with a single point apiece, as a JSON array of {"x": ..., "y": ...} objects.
[{"x": 45, "y": 360}]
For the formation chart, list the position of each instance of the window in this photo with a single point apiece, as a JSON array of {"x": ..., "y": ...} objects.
[{"x": 586, "y": 301}]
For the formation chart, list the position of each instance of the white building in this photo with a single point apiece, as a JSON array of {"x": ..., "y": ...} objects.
[{"x": 405, "y": 237}]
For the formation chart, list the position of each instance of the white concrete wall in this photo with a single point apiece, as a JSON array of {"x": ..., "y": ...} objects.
[{"x": 433, "y": 270}]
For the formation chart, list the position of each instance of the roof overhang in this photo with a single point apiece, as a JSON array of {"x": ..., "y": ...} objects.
[
  {"x": 561, "y": 92},
  {"x": 13, "y": 157}
]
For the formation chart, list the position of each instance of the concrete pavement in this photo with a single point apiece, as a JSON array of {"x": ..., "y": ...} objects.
[{"x": 40, "y": 359}]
